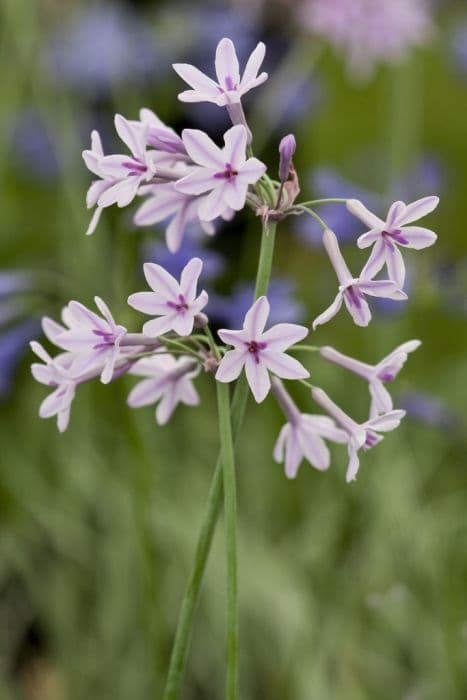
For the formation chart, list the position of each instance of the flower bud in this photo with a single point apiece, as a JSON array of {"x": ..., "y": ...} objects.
[{"x": 287, "y": 149}]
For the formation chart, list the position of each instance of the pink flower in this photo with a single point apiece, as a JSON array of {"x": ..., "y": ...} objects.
[
  {"x": 302, "y": 436},
  {"x": 386, "y": 236},
  {"x": 352, "y": 290},
  {"x": 92, "y": 341},
  {"x": 225, "y": 173},
  {"x": 261, "y": 352},
  {"x": 174, "y": 302},
  {"x": 376, "y": 375},
  {"x": 168, "y": 382},
  {"x": 364, "y": 436},
  {"x": 121, "y": 175},
  {"x": 229, "y": 88},
  {"x": 56, "y": 374},
  {"x": 166, "y": 202}
]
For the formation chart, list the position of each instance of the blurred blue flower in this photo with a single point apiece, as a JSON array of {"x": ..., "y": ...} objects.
[
  {"x": 33, "y": 149},
  {"x": 14, "y": 281},
  {"x": 459, "y": 46},
  {"x": 103, "y": 46},
  {"x": 424, "y": 408},
  {"x": 451, "y": 281},
  {"x": 213, "y": 262},
  {"x": 230, "y": 311},
  {"x": 13, "y": 346}
]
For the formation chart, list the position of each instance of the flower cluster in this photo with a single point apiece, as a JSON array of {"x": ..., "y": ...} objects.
[{"x": 189, "y": 178}]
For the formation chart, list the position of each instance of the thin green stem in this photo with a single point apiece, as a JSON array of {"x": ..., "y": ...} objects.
[
  {"x": 180, "y": 346},
  {"x": 306, "y": 348},
  {"x": 208, "y": 526},
  {"x": 230, "y": 510},
  {"x": 328, "y": 200},
  {"x": 314, "y": 215}
]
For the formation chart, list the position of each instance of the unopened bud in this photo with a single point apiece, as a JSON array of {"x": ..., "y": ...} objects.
[
  {"x": 287, "y": 148},
  {"x": 201, "y": 320}
]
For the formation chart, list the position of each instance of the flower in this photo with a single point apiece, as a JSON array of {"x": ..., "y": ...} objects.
[
  {"x": 55, "y": 373},
  {"x": 385, "y": 371},
  {"x": 261, "y": 352},
  {"x": 92, "y": 341},
  {"x": 121, "y": 175},
  {"x": 360, "y": 436},
  {"x": 302, "y": 436},
  {"x": 230, "y": 88},
  {"x": 387, "y": 235},
  {"x": 175, "y": 303},
  {"x": 352, "y": 290},
  {"x": 369, "y": 32},
  {"x": 168, "y": 381},
  {"x": 287, "y": 148},
  {"x": 166, "y": 202},
  {"x": 225, "y": 173}
]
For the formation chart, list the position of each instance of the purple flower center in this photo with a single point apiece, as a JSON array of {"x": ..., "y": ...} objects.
[
  {"x": 371, "y": 440},
  {"x": 396, "y": 235},
  {"x": 135, "y": 167},
  {"x": 386, "y": 376},
  {"x": 353, "y": 296},
  {"x": 181, "y": 306},
  {"x": 228, "y": 174},
  {"x": 107, "y": 338},
  {"x": 229, "y": 85},
  {"x": 254, "y": 347}
]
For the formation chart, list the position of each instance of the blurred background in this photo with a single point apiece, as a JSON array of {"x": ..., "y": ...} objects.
[{"x": 347, "y": 592}]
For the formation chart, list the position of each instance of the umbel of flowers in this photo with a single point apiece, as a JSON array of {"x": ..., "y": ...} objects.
[{"x": 188, "y": 178}]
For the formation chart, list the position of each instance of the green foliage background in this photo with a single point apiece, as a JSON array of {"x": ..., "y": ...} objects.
[{"x": 347, "y": 592}]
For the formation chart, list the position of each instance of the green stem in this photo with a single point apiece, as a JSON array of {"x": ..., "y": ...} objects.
[
  {"x": 208, "y": 526},
  {"x": 328, "y": 200},
  {"x": 230, "y": 510},
  {"x": 306, "y": 348},
  {"x": 314, "y": 215}
]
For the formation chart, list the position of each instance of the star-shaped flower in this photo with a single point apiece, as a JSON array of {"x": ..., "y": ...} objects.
[
  {"x": 174, "y": 302},
  {"x": 230, "y": 88},
  {"x": 352, "y": 290},
  {"x": 92, "y": 341},
  {"x": 360, "y": 436},
  {"x": 376, "y": 375},
  {"x": 386, "y": 236},
  {"x": 302, "y": 436},
  {"x": 260, "y": 351},
  {"x": 225, "y": 173},
  {"x": 55, "y": 373},
  {"x": 168, "y": 382}
]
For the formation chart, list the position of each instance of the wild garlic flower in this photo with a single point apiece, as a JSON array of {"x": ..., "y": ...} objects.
[
  {"x": 376, "y": 375},
  {"x": 386, "y": 236},
  {"x": 260, "y": 352},
  {"x": 175, "y": 303},
  {"x": 56, "y": 374},
  {"x": 302, "y": 437},
  {"x": 120, "y": 175},
  {"x": 352, "y": 291},
  {"x": 359, "y": 436},
  {"x": 167, "y": 381},
  {"x": 91, "y": 340},
  {"x": 230, "y": 87},
  {"x": 224, "y": 173}
]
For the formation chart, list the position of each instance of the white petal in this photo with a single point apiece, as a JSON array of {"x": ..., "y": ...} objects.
[
  {"x": 230, "y": 366},
  {"x": 254, "y": 64},
  {"x": 293, "y": 455},
  {"x": 283, "y": 335},
  {"x": 381, "y": 396},
  {"x": 418, "y": 237},
  {"x": 358, "y": 308},
  {"x": 278, "y": 451},
  {"x": 329, "y": 313},
  {"x": 148, "y": 303},
  {"x": 132, "y": 134},
  {"x": 199, "y": 181},
  {"x": 258, "y": 378},
  {"x": 161, "y": 281},
  {"x": 235, "y": 146},
  {"x": 214, "y": 204},
  {"x": 202, "y": 150},
  {"x": 395, "y": 214},
  {"x": 356, "y": 208},
  {"x": 395, "y": 264},
  {"x": 387, "y": 422},
  {"x": 283, "y": 365},
  {"x": 418, "y": 209},
  {"x": 251, "y": 171},
  {"x": 256, "y": 317},
  {"x": 376, "y": 260},
  {"x": 158, "y": 326},
  {"x": 354, "y": 462},
  {"x": 200, "y": 82},
  {"x": 189, "y": 278},
  {"x": 235, "y": 194},
  {"x": 227, "y": 68},
  {"x": 146, "y": 392}
]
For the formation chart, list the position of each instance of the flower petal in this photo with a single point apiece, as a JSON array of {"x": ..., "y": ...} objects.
[
  {"x": 158, "y": 326},
  {"x": 251, "y": 171},
  {"x": 161, "y": 281},
  {"x": 382, "y": 288},
  {"x": 358, "y": 308},
  {"x": 148, "y": 303},
  {"x": 253, "y": 64},
  {"x": 293, "y": 455},
  {"x": 418, "y": 237},
  {"x": 235, "y": 338},
  {"x": 395, "y": 264},
  {"x": 395, "y": 215},
  {"x": 330, "y": 312},
  {"x": 256, "y": 318},
  {"x": 358, "y": 209},
  {"x": 235, "y": 194},
  {"x": 214, "y": 204},
  {"x": 198, "y": 181},
  {"x": 235, "y": 146},
  {"x": 418, "y": 209},
  {"x": 278, "y": 451},
  {"x": 354, "y": 462},
  {"x": 227, "y": 68},
  {"x": 230, "y": 366},
  {"x": 376, "y": 260},
  {"x": 201, "y": 83},
  {"x": 283, "y": 335},
  {"x": 202, "y": 150},
  {"x": 386, "y": 423},
  {"x": 258, "y": 378},
  {"x": 132, "y": 135},
  {"x": 189, "y": 278},
  {"x": 283, "y": 365}
]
